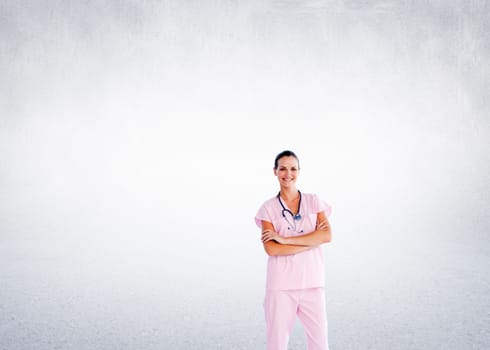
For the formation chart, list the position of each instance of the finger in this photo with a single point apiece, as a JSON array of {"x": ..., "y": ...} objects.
[
  {"x": 324, "y": 226},
  {"x": 266, "y": 236},
  {"x": 321, "y": 224}
]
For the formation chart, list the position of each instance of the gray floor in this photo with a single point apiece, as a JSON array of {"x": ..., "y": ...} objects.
[{"x": 84, "y": 301}]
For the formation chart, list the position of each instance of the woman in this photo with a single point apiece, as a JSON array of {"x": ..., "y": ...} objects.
[{"x": 294, "y": 226}]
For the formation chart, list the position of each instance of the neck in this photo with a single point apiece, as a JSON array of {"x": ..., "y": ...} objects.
[{"x": 289, "y": 193}]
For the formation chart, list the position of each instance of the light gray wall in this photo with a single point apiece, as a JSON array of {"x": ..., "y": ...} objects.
[{"x": 137, "y": 141}]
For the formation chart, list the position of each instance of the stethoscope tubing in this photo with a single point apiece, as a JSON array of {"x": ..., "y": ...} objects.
[{"x": 285, "y": 210}]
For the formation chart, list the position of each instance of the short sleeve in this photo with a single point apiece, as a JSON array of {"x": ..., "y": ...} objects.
[
  {"x": 262, "y": 214},
  {"x": 320, "y": 205}
]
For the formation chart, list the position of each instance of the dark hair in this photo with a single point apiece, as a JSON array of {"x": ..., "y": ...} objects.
[{"x": 285, "y": 153}]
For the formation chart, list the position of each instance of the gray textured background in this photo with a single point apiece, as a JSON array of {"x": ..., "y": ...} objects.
[{"x": 136, "y": 144}]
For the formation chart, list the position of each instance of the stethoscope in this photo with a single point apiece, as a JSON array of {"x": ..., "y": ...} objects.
[{"x": 297, "y": 217}]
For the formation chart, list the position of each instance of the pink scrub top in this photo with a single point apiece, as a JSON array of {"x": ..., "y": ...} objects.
[{"x": 301, "y": 270}]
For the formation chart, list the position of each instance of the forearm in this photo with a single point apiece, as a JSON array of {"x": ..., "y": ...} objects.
[
  {"x": 314, "y": 238},
  {"x": 273, "y": 248}
]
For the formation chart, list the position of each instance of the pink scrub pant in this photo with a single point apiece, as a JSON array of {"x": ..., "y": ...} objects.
[{"x": 281, "y": 308}]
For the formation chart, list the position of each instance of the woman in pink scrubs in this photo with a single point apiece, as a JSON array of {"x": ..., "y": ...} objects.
[{"x": 294, "y": 226}]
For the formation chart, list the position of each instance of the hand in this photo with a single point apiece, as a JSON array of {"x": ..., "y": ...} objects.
[
  {"x": 269, "y": 235},
  {"x": 323, "y": 226}
]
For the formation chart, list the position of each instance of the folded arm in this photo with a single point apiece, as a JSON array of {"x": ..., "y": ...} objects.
[
  {"x": 273, "y": 248},
  {"x": 322, "y": 234}
]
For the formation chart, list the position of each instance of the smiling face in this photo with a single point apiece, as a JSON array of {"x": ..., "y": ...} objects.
[{"x": 287, "y": 171}]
